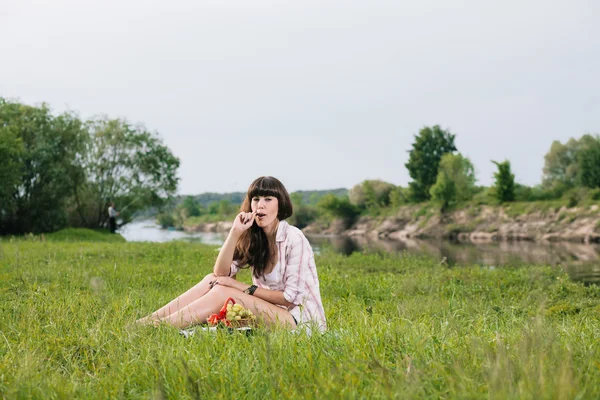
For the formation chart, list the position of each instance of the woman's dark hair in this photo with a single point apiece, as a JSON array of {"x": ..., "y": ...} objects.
[{"x": 253, "y": 247}]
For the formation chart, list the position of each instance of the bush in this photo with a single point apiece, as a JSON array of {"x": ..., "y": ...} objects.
[
  {"x": 304, "y": 214},
  {"x": 594, "y": 194},
  {"x": 371, "y": 193},
  {"x": 339, "y": 208},
  {"x": 399, "y": 196},
  {"x": 165, "y": 220},
  {"x": 537, "y": 193},
  {"x": 483, "y": 196},
  {"x": 580, "y": 195}
]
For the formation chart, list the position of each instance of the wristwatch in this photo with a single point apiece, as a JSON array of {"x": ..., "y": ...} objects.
[{"x": 251, "y": 290}]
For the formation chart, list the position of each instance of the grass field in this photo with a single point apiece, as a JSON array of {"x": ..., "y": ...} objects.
[{"x": 399, "y": 327}]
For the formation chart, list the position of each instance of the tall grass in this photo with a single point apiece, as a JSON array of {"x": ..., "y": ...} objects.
[{"x": 399, "y": 327}]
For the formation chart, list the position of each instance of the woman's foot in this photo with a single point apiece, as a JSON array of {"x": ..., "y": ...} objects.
[{"x": 148, "y": 321}]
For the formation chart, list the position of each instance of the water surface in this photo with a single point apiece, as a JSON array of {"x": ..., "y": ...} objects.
[{"x": 580, "y": 261}]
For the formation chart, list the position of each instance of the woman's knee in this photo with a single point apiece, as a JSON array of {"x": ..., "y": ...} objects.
[
  {"x": 223, "y": 291},
  {"x": 210, "y": 277}
]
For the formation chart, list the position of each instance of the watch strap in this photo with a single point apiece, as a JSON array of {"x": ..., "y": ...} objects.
[{"x": 251, "y": 290}]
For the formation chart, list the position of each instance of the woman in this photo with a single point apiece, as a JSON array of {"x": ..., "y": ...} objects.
[{"x": 285, "y": 288}]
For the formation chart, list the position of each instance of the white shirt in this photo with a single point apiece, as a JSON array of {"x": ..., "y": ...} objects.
[{"x": 296, "y": 275}]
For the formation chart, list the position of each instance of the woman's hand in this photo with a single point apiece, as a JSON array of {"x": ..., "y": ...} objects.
[
  {"x": 229, "y": 282},
  {"x": 243, "y": 221}
]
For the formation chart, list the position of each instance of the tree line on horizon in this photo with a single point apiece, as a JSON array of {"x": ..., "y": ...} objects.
[
  {"x": 60, "y": 171},
  {"x": 440, "y": 175}
]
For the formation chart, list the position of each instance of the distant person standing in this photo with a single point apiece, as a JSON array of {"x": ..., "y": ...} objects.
[{"x": 112, "y": 217}]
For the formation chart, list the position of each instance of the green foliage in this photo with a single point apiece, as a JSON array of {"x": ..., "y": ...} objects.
[
  {"x": 430, "y": 145},
  {"x": 455, "y": 181},
  {"x": 11, "y": 151},
  {"x": 125, "y": 164},
  {"x": 226, "y": 208},
  {"x": 58, "y": 171},
  {"x": 454, "y": 229},
  {"x": 562, "y": 168},
  {"x": 484, "y": 195},
  {"x": 399, "y": 196},
  {"x": 304, "y": 214},
  {"x": 206, "y": 199},
  {"x": 505, "y": 182},
  {"x": 40, "y": 154},
  {"x": 421, "y": 212},
  {"x": 580, "y": 196},
  {"x": 399, "y": 327},
  {"x": 213, "y": 208},
  {"x": 309, "y": 197},
  {"x": 191, "y": 207},
  {"x": 371, "y": 193},
  {"x": 339, "y": 208},
  {"x": 535, "y": 193},
  {"x": 588, "y": 161},
  {"x": 312, "y": 197},
  {"x": 165, "y": 220}
]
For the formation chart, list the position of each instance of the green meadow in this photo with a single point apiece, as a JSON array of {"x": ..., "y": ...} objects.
[{"x": 399, "y": 327}]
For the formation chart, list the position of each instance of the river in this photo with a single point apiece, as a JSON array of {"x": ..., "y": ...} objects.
[{"x": 580, "y": 261}]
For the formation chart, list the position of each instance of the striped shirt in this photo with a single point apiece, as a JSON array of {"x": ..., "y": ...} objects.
[{"x": 296, "y": 276}]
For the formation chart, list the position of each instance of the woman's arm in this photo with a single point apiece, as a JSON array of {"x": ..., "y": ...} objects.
[
  {"x": 242, "y": 222},
  {"x": 225, "y": 258},
  {"x": 272, "y": 296}
]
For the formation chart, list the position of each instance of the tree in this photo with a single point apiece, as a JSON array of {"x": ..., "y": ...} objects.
[
  {"x": 371, "y": 193},
  {"x": 455, "y": 181},
  {"x": 505, "y": 182},
  {"x": 191, "y": 207},
  {"x": 11, "y": 151},
  {"x": 561, "y": 163},
  {"x": 424, "y": 159},
  {"x": 588, "y": 161},
  {"x": 40, "y": 169},
  {"x": 124, "y": 164}
]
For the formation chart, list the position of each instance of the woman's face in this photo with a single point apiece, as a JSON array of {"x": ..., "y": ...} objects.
[{"x": 267, "y": 208}]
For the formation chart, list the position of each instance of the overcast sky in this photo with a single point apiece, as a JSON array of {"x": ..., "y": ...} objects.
[{"x": 321, "y": 94}]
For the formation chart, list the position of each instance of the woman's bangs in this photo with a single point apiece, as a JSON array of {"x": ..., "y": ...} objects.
[{"x": 262, "y": 188}]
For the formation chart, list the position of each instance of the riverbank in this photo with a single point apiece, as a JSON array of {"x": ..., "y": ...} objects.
[
  {"x": 535, "y": 221},
  {"x": 479, "y": 223}
]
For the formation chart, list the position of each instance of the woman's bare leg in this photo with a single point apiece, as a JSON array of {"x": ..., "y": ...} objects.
[
  {"x": 199, "y": 310},
  {"x": 193, "y": 294}
]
